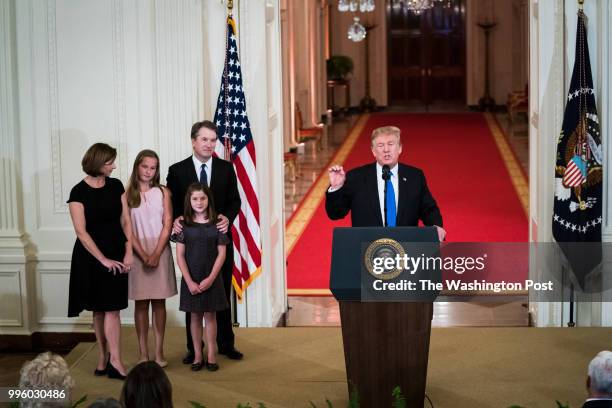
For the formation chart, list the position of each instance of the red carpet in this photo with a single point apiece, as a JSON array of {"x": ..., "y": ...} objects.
[{"x": 465, "y": 173}]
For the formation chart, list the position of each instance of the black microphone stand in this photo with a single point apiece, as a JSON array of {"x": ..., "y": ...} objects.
[
  {"x": 385, "y": 204},
  {"x": 385, "y": 176}
]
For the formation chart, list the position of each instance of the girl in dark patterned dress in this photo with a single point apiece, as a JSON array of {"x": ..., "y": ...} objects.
[{"x": 200, "y": 252}]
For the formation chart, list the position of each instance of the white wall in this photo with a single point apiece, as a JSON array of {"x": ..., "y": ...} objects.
[
  {"x": 135, "y": 76},
  {"x": 552, "y": 47}
]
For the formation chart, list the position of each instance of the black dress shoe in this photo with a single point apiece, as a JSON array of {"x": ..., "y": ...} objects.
[
  {"x": 114, "y": 373},
  {"x": 100, "y": 373},
  {"x": 189, "y": 357},
  {"x": 196, "y": 366},
  {"x": 231, "y": 353},
  {"x": 211, "y": 366}
]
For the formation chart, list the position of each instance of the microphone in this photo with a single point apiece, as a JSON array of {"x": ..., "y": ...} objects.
[{"x": 386, "y": 172}]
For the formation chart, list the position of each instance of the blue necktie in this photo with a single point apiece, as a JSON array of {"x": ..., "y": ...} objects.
[
  {"x": 391, "y": 210},
  {"x": 203, "y": 177}
]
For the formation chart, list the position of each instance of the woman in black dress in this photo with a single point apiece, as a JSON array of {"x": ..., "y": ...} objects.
[{"x": 102, "y": 254}]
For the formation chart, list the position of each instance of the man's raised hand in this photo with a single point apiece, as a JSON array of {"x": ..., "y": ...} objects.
[{"x": 337, "y": 176}]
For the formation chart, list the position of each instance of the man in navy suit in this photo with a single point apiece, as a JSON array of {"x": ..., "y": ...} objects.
[
  {"x": 219, "y": 175},
  {"x": 599, "y": 381},
  {"x": 362, "y": 190}
]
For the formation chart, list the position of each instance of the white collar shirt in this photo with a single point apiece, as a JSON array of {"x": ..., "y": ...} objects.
[{"x": 198, "y": 167}]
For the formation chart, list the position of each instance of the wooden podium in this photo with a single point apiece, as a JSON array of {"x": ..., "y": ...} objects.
[{"x": 386, "y": 344}]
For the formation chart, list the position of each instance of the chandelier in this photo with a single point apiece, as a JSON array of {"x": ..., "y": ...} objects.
[
  {"x": 363, "y": 6},
  {"x": 415, "y": 6},
  {"x": 357, "y": 32}
]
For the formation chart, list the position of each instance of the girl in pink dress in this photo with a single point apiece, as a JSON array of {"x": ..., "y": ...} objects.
[{"x": 152, "y": 279}]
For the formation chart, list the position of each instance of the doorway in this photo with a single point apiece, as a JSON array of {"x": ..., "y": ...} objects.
[{"x": 426, "y": 55}]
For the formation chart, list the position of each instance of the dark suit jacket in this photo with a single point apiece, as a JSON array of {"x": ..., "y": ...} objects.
[
  {"x": 359, "y": 195},
  {"x": 598, "y": 404},
  {"x": 222, "y": 183}
]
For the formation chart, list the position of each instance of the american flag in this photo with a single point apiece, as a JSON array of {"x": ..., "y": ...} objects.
[
  {"x": 238, "y": 147},
  {"x": 575, "y": 173}
]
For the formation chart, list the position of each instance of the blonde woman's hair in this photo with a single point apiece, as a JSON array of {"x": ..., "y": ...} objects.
[
  {"x": 386, "y": 130},
  {"x": 46, "y": 370},
  {"x": 133, "y": 187}
]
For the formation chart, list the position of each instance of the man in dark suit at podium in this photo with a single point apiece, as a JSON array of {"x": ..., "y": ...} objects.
[
  {"x": 219, "y": 175},
  {"x": 599, "y": 381},
  {"x": 362, "y": 190}
]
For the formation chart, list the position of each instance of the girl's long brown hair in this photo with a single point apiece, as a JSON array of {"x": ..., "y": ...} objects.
[
  {"x": 188, "y": 215},
  {"x": 133, "y": 189}
]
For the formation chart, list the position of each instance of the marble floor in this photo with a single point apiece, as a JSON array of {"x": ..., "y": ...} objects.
[
  {"x": 311, "y": 162},
  {"x": 324, "y": 311}
]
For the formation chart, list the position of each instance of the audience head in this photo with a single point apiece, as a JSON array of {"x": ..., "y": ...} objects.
[
  {"x": 599, "y": 381},
  {"x": 106, "y": 403},
  {"x": 147, "y": 385},
  {"x": 195, "y": 193},
  {"x": 203, "y": 139},
  {"x": 99, "y": 160},
  {"x": 386, "y": 145},
  {"x": 146, "y": 169},
  {"x": 46, "y": 370}
]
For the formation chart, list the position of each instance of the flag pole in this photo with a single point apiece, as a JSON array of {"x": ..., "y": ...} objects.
[
  {"x": 581, "y": 131},
  {"x": 233, "y": 300}
]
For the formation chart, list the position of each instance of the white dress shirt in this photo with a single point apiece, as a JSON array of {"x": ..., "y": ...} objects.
[
  {"x": 381, "y": 188},
  {"x": 198, "y": 167}
]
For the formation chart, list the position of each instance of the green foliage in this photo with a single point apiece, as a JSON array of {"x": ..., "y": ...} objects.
[
  {"x": 353, "y": 398},
  {"x": 339, "y": 66},
  {"x": 80, "y": 401},
  {"x": 398, "y": 399}
]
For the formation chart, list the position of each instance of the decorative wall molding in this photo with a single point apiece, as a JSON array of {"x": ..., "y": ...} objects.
[
  {"x": 272, "y": 121},
  {"x": 59, "y": 206},
  {"x": 11, "y": 297},
  {"x": 119, "y": 86},
  {"x": 64, "y": 321},
  {"x": 178, "y": 54},
  {"x": 9, "y": 208}
]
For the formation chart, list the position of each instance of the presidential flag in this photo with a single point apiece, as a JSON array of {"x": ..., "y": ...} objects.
[
  {"x": 577, "y": 214},
  {"x": 237, "y": 146}
]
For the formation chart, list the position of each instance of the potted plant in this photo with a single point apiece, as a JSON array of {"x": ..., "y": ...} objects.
[{"x": 339, "y": 67}]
